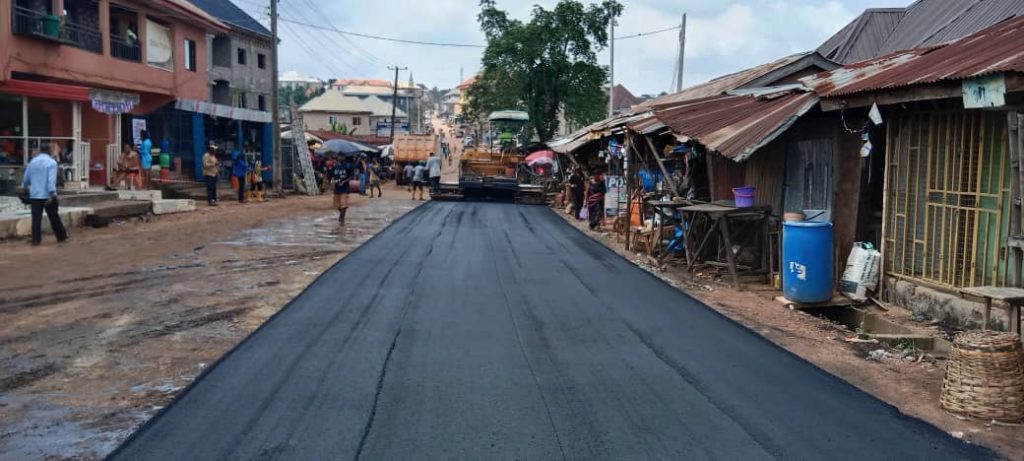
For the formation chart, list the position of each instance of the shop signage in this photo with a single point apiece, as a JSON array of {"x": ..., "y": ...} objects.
[
  {"x": 159, "y": 46},
  {"x": 985, "y": 91},
  {"x": 138, "y": 124},
  {"x": 615, "y": 197},
  {"x": 112, "y": 102}
]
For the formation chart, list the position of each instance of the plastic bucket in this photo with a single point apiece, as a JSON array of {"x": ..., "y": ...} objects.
[
  {"x": 51, "y": 25},
  {"x": 744, "y": 196}
]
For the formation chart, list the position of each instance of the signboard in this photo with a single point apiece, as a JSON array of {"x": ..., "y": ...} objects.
[
  {"x": 615, "y": 195},
  {"x": 987, "y": 91},
  {"x": 138, "y": 124},
  {"x": 384, "y": 129},
  {"x": 159, "y": 46}
]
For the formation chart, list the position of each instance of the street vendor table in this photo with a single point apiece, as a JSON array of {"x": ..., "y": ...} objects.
[
  {"x": 1012, "y": 297},
  {"x": 720, "y": 216},
  {"x": 659, "y": 206}
]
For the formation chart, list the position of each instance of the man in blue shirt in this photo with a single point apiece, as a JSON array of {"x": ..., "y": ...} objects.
[{"x": 40, "y": 185}]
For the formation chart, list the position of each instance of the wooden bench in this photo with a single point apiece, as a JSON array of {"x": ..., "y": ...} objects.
[{"x": 1012, "y": 298}]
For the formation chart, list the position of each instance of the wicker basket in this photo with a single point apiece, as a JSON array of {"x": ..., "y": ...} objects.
[{"x": 985, "y": 376}]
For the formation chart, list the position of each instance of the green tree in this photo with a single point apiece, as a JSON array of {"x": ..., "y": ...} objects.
[{"x": 544, "y": 66}]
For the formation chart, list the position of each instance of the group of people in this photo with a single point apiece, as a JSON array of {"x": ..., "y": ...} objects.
[
  {"x": 246, "y": 178},
  {"x": 423, "y": 173},
  {"x": 589, "y": 194}
]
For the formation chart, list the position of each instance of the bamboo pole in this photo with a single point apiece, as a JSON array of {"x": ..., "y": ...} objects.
[
  {"x": 661, "y": 165},
  {"x": 891, "y": 146},
  {"x": 979, "y": 154}
]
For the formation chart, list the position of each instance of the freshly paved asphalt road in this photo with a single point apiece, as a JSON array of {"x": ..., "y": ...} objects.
[{"x": 492, "y": 331}]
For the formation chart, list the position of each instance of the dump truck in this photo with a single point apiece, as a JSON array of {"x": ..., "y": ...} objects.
[
  {"x": 491, "y": 171},
  {"x": 410, "y": 149}
]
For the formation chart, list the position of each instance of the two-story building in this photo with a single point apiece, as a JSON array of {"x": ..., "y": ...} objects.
[
  {"x": 75, "y": 74},
  {"x": 334, "y": 111}
]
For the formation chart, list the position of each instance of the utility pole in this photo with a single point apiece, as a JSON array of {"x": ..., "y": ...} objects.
[
  {"x": 394, "y": 101},
  {"x": 274, "y": 103},
  {"x": 611, "y": 82},
  {"x": 680, "y": 60}
]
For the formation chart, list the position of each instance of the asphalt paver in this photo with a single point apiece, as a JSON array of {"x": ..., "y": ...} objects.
[{"x": 497, "y": 331}]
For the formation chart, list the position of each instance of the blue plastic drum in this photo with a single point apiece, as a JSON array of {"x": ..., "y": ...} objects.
[{"x": 807, "y": 261}]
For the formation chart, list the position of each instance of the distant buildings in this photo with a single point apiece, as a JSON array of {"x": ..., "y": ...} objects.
[
  {"x": 293, "y": 79},
  {"x": 358, "y": 114}
]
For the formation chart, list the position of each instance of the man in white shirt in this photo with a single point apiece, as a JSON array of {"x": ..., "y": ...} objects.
[
  {"x": 434, "y": 170},
  {"x": 40, "y": 186}
]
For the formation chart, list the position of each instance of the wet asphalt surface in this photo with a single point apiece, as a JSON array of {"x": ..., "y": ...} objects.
[{"x": 494, "y": 331}]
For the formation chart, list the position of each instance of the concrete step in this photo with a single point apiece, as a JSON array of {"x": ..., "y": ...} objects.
[
  {"x": 86, "y": 198},
  {"x": 105, "y": 212},
  {"x": 15, "y": 224},
  {"x": 161, "y": 207}
]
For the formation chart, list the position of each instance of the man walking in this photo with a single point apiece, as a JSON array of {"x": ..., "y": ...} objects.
[
  {"x": 418, "y": 178},
  {"x": 211, "y": 167},
  {"x": 576, "y": 185},
  {"x": 40, "y": 184},
  {"x": 408, "y": 172},
  {"x": 434, "y": 168}
]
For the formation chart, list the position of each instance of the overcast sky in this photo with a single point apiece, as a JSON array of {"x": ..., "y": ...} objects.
[{"x": 723, "y": 36}]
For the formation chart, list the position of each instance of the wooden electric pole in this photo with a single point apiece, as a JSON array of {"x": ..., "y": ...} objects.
[
  {"x": 681, "y": 60},
  {"x": 611, "y": 74},
  {"x": 275, "y": 103},
  {"x": 394, "y": 101}
]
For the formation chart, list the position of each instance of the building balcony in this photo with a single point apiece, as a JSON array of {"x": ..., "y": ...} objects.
[
  {"x": 40, "y": 24},
  {"x": 122, "y": 48}
]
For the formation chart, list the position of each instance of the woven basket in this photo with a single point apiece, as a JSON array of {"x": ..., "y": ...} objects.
[{"x": 985, "y": 376}]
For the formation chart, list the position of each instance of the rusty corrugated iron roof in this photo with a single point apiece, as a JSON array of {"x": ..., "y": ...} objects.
[
  {"x": 720, "y": 85},
  {"x": 999, "y": 48},
  {"x": 735, "y": 126}
]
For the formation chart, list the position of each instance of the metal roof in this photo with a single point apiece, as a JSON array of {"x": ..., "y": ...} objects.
[
  {"x": 882, "y": 31},
  {"x": 863, "y": 37},
  {"x": 734, "y": 126},
  {"x": 999, "y": 48},
  {"x": 725, "y": 83},
  {"x": 230, "y": 13}
]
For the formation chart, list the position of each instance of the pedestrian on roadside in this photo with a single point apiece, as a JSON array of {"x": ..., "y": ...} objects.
[
  {"x": 408, "y": 173},
  {"x": 364, "y": 174},
  {"x": 211, "y": 167},
  {"x": 146, "y": 158},
  {"x": 375, "y": 179},
  {"x": 576, "y": 185},
  {"x": 595, "y": 201},
  {"x": 256, "y": 182},
  {"x": 419, "y": 177},
  {"x": 39, "y": 185},
  {"x": 239, "y": 170},
  {"x": 434, "y": 168},
  {"x": 343, "y": 172}
]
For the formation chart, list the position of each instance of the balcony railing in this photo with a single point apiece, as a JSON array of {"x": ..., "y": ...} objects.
[
  {"x": 122, "y": 48},
  {"x": 86, "y": 38},
  {"x": 33, "y": 22}
]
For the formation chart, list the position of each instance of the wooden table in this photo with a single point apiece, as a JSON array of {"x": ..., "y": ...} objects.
[
  {"x": 720, "y": 215},
  {"x": 1012, "y": 297},
  {"x": 657, "y": 206}
]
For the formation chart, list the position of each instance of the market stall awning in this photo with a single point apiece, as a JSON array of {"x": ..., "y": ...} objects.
[
  {"x": 45, "y": 90},
  {"x": 735, "y": 126},
  {"x": 220, "y": 110}
]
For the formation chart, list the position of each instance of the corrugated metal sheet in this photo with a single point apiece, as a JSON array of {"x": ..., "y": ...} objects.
[
  {"x": 997, "y": 49},
  {"x": 734, "y": 126},
  {"x": 863, "y": 37},
  {"x": 724, "y": 83},
  {"x": 883, "y": 31},
  {"x": 924, "y": 19}
]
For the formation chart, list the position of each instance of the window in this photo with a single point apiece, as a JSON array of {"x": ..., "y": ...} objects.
[
  {"x": 241, "y": 56},
  {"x": 261, "y": 102},
  {"x": 357, "y": 120},
  {"x": 261, "y": 61},
  {"x": 190, "y": 55},
  {"x": 332, "y": 120},
  {"x": 242, "y": 100}
]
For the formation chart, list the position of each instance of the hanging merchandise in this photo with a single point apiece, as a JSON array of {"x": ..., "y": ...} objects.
[{"x": 865, "y": 149}]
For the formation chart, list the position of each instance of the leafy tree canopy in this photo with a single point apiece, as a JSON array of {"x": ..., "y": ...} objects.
[{"x": 544, "y": 65}]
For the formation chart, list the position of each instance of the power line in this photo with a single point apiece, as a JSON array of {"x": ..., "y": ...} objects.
[
  {"x": 644, "y": 34},
  {"x": 427, "y": 43},
  {"x": 311, "y": 51},
  {"x": 326, "y": 45},
  {"x": 359, "y": 50}
]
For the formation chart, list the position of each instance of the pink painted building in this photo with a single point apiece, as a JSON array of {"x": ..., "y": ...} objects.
[{"x": 78, "y": 72}]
